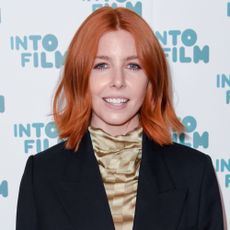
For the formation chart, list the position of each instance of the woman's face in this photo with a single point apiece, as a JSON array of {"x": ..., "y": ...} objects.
[{"x": 117, "y": 84}]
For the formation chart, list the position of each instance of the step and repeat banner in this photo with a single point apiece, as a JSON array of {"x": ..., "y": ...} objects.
[{"x": 34, "y": 36}]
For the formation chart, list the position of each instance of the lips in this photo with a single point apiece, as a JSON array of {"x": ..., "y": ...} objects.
[{"x": 116, "y": 100}]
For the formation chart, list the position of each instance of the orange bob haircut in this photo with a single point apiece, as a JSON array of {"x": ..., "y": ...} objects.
[{"x": 72, "y": 101}]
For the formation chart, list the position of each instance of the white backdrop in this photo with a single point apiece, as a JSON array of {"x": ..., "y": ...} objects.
[{"x": 34, "y": 36}]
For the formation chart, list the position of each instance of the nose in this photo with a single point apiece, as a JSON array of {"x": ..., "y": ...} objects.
[{"x": 118, "y": 79}]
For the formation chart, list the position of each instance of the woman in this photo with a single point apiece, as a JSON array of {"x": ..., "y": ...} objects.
[{"x": 117, "y": 168}]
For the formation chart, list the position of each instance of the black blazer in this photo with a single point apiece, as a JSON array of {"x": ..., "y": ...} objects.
[{"x": 63, "y": 190}]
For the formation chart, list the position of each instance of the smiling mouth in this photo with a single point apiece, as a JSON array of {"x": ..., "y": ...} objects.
[{"x": 115, "y": 101}]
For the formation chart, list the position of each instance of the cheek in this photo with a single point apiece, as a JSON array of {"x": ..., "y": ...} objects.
[
  {"x": 140, "y": 88},
  {"x": 94, "y": 89},
  {"x": 97, "y": 85}
]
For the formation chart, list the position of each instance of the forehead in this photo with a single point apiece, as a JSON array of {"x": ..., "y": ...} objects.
[{"x": 117, "y": 42}]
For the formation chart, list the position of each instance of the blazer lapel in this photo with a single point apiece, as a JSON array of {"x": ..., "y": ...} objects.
[
  {"x": 159, "y": 203},
  {"x": 82, "y": 192}
]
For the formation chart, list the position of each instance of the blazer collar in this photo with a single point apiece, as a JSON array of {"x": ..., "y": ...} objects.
[{"x": 83, "y": 196}]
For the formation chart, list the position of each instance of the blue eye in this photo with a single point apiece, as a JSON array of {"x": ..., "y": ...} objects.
[
  {"x": 100, "y": 66},
  {"x": 134, "y": 66}
]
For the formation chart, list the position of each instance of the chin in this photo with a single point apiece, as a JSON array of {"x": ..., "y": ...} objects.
[{"x": 116, "y": 121}]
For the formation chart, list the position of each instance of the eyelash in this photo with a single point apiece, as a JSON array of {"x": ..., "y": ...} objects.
[
  {"x": 101, "y": 66},
  {"x": 137, "y": 67}
]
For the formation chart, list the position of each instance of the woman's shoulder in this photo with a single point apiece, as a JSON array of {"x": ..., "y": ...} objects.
[
  {"x": 186, "y": 162},
  {"x": 50, "y": 162},
  {"x": 183, "y": 152},
  {"x": 56, "y": 151}
]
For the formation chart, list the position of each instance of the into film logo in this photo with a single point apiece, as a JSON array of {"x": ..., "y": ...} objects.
[
  {"x": 228, "y": 9},
  {"x": 223, "y": 82},
  {"x": 4, "y": 188},
  {"x": 196, "y": 139},
  {"x": 38, "y": 51},
  {"x": 181, "y": 46},
  {"x": 132, "y": 5},
  {"x": 36, "y": 136},
  {"x": 223, "y": 166},
  {"x": 2, "y": 104}
]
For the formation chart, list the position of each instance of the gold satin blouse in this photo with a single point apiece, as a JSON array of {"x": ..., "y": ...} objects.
[{"x": 119, "y": 162}]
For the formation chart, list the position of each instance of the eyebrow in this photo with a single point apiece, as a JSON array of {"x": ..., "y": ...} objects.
[{"x": 107, "y": 58}]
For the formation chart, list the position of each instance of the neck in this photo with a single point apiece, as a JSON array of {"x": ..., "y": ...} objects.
[{"x": 115, "y": 130}]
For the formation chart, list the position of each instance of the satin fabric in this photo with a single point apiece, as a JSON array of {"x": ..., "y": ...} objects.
[
  {"x": 63, "y": 190},
  {"x": 119, "y": 160}
]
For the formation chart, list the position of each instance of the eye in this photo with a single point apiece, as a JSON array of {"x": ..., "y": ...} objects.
[
  {"x": 134, "y": 66},
  {"x": 101, "y": 66}
]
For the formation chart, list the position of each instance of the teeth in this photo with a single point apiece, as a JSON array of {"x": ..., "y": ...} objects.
[{"x": 116, "y": 100}]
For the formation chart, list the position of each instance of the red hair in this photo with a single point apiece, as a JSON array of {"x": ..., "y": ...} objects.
[{"x": 72, "y": 101}]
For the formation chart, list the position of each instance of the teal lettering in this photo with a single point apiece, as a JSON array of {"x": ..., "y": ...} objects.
[
  {"x": 228, "y": 9},
  {"x": 225, "y": 165},
  {"x": 4, "y": 188},
  {"x": 42, "y": 145},
  {"x": 44, "y": 62},
  {"x": 189, "y": 37},
  {"x": 25, "y": 57},
  {"x": 50, "y": 42},
  {"x": 59, "y": 59},
  {"x": 51, "y": 130},
  {"x": 163, "y": 38},
  {"x": 200, "y": 140},
  {"x": 174, "y": 54},
  {"x": 35, "y": 57},
  {"x": 35, "y": 39},
  {"x": 181, "y": 139},
  {"x": 28, "y": 144},
  {"x": 183, "y": 58},
  {"x": 218, "y": 81},
  {"x": 15, "y": 130},
  {"x": 217, "y": 165},
  {"x": 38, "y": 145},
  {"x": 180, "y": 53},
  {"x": 228, "y": 97},
  {"x": 222, "y": 80},
  {"x": 38, "y": 127},
  {"x": 201, "y": 54},
  {"x": 227, "y": 180},
  {"x": 24, "y": 130},
  {"x": 21, "y": 42},
  {"x": 12, "y": 42},
  {"x": 2, "y": 104},
  {"x": 96, "y": 6},
  {"x": 40, "y": 59},
  {"x": 166, "y": 50},
  {"x": 190, "y": 123},
  {"x": 137, "y": 7},
  {"x": 225, "y": 80},
  {"x": 174, "y": 34}
]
